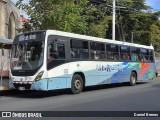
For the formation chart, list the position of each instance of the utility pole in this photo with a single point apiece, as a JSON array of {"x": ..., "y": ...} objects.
[
  {"x": 132, "y": 37},
  {"x": 113, "y": 20}
]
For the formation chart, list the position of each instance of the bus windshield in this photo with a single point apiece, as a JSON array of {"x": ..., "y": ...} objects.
[{"x": 27, "y": 54}]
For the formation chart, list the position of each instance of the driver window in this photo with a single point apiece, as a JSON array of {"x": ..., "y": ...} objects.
[
  {"x": 50, "y": 55},
  {"x": 56, "y": 51}
]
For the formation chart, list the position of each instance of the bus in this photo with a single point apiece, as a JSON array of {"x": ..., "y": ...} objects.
[{"x": 49, "y": 59}]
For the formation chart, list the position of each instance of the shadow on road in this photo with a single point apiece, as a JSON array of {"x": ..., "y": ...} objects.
[
  {"x": 34, "y": 94},
  {"x": 44, "y": 94},
  {"x": 110, "y": 86},
  {"x": 12, "y": 92}
]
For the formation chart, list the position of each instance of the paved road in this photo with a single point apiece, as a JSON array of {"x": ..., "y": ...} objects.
[
  {"x": 145, "y": 96},
  {"x": 117, "y": 97}
]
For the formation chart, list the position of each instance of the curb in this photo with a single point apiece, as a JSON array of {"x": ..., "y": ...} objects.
[{"x": 2, "y": 88}]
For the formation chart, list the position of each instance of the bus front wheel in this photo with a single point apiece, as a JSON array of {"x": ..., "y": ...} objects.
[
  {"x": 133, "y": 79},
  {"x": 76, "y": 84}
]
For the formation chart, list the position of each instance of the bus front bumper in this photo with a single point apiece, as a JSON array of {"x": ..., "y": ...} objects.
[{"x": 26, "y": 85}]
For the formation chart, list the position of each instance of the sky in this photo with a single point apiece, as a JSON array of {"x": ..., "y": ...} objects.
[{"x": 155, "y": 4}]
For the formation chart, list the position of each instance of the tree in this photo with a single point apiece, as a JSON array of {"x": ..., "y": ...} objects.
[
  {"x": 62, "y": 15},
  {"x": 132, "y": 16},
  {"x": 77, "y": 16},
  {"x": 97, "y": 21},
  {"x": 155, "y": 35},
  {"x": 93, "y": 17}
]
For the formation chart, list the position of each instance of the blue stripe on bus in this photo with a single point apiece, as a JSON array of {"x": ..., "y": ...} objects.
[
  {"x": 40, "y": 85},
  {"x": 94, "y": 77}
]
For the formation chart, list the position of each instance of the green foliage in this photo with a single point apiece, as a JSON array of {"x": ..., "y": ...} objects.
[
  {"x": 134, "y": 17},
  {"x": 55, "y": 14},
  {"x": 66, "y": 15},
  {"x": 155, "y": 35},
  {"x": 97, "y": 21},
  {"x": 99, "y": 29},
  {"x": 77, "y": 16}
]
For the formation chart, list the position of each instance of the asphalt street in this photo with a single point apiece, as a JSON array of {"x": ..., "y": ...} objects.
[{"x": 145, "y": 96}]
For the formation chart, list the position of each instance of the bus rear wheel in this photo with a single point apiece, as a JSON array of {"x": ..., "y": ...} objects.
[
  {"x": 76, "y": 84},
  {"x": 133, "y": 79}
]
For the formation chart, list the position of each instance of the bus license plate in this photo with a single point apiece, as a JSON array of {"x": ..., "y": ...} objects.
[{"x": 21, "y": 88}]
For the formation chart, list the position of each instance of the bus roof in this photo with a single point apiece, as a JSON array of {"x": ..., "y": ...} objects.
[{"x": 78, "y": 36}]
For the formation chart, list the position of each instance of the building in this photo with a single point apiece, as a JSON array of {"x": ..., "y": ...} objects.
[
  {"x": 10, "y": 19},
  {"x": 10, "y": 22}
]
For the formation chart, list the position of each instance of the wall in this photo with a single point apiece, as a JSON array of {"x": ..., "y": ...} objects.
[{"x": 10, "y": 20}]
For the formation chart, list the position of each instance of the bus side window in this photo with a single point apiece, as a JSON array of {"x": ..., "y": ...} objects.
[
  {"x": 139, "y": 58},
  {"x": 125, "y": 53},
  {"x": 135, "y": 54},
  {"x": 79, "y": 49},
  {"x": 97, "y": 51},
  {"x": 134, "y": 57},
  {"x": 50, "y": 55},
  {"x": 151, "y": 56},
  {"x": 72, "y": 54},
  {"x": 144, "y": 54},
  {"x": 60, "y": 53},
  {"x": 112, "y": 52}
]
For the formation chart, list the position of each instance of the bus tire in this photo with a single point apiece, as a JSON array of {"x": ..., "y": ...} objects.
[
  {"x": 76, "y": 84},
  {"x": 133, "y": 79}
]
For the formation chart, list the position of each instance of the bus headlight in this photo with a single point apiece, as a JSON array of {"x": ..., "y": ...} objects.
[{"x": 39, "y": 76}]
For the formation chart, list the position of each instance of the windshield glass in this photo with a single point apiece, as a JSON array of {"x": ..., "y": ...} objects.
[{"x": 27, "y": 55}]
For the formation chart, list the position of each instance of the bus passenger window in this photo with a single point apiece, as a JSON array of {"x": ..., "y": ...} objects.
[
  {"x": 115, "y": 57},
  {"x": 109, "y": 56},
  {"x": 97, "y": 51},
  {"x": 150, "y": 56},
  {"x": 96, "y": 56},
  {"x": 144, "y": 55},
  {"x": 112, "y": 52},
  {"x": 79, "y": 49},
  {"x": 60, "y": 53},
  {"x": 72, "y": 54},
  {"x": 135, "y": 54},
  {"x": 125, "y": 53},
  {"x": 134, "y": 57},
  {"x": 56, "y": 50},
  {"x": 50, "y": 57}
]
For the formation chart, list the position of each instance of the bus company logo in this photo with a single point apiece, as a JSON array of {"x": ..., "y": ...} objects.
[
  {"x": 6, "y": 114},
  {"x": 109, "y": 68}
]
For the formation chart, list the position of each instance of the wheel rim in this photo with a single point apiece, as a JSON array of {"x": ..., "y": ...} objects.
[
  {"x": 77, "y": 84},
  {"x": 133, "y": 79}
]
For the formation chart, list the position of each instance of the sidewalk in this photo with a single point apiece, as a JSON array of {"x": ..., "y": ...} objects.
[{"x": 5, "y": 84}]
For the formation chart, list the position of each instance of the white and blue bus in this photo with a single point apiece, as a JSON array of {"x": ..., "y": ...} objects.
[{"x": 49, "y": 60}]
